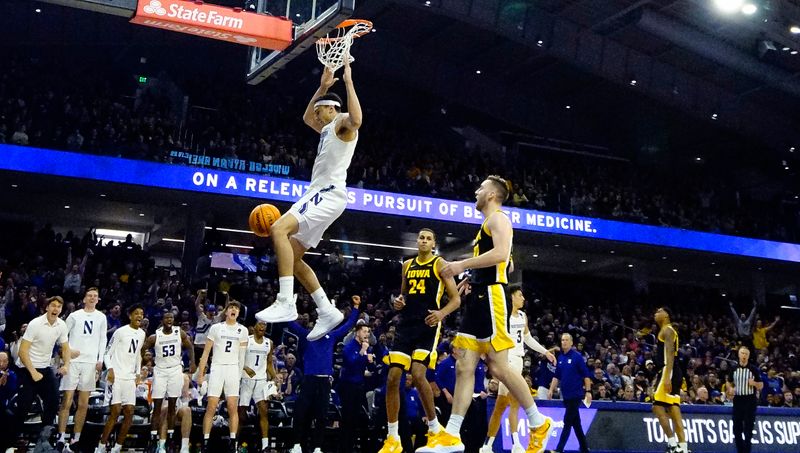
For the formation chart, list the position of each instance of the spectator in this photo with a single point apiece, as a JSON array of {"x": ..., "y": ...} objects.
[{"x": 357, "y": 355}]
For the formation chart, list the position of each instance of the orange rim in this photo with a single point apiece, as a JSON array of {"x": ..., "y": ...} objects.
[{"x": 349, "y": 23}]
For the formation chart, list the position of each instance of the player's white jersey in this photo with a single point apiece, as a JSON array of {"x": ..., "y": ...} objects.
[
  {"x": 256, "y": 357},
  {"x": 124, "y": 352},
  {"x": 227, "y": 340},
  {"x": 516, "y": 328},
  {"x": 168, "y": 352},
  {"x": 333, "y": 157},
  {"x": 87, "y": 334}
]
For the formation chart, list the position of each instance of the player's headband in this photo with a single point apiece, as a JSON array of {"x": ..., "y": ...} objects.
[{"x": 330, "y": 102}]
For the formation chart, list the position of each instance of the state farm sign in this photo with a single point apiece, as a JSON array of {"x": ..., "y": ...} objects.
[{"x": 216, "y": 22}]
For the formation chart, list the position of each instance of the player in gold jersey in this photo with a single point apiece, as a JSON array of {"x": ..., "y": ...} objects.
[
  {"x": 667, "y": 397},
  {"x": 484, "y": 327},
  {"x": 417, "y": 333}
]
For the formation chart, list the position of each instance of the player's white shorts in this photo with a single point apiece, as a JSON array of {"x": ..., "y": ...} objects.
[
  {"x": 316, "y": 211},
  {"x": 123, "y": 391},
  {"x": 81, "y": 376},
  {"x": 167, "y": 382},
  {"x": 252, "y": 389},
  {"x": 224, "y": 378},
  {"x": 515, "y": 363}
]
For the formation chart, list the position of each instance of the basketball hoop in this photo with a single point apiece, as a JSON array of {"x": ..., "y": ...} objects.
[{"x": 331, "y": 49}]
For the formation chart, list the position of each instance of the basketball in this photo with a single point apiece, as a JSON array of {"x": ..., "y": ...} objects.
[{"x": 262, "y": 217}]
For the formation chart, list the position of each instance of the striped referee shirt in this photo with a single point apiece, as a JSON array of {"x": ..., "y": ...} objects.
[{"x": 741, "y": 375}]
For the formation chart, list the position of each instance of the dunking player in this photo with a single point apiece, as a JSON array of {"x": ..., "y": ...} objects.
[
  {"x": 667, "y": 397},
  {"x": 257, "y": 374},
  {"x": 87, "y": 343},
  {"x": 418, "y": 333},
  {"x": 484, "y": 327},
  {"x": 292, "y": 235},
  {"x": 168, "y": 344},
  {"x": 124, "y": 361},
  {"x": 521, "y": 335},
  {"x": 228, "y": 340}
]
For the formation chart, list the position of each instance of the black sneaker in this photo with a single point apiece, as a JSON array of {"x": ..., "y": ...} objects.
[
  {"x": 232, "y": 445},
  {"x": 60, "y": 446}
]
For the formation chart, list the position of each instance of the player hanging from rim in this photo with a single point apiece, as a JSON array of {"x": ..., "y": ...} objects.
[
  {"x": 124, "y": 361},
  {"x": 167, "y": 344},
  {"x": 521, "y": 335},
  {"x": 667, "y": 397},
  {"x": 418, "y": 333},
  {"x": 258, "y": 376},
  {"x": 325, "y": 200},
  {"x": 484, "y": 326},
  {"x": 228, "y": 340}
]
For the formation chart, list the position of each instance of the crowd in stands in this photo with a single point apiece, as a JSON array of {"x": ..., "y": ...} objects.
[
  {"x": 88, "y": 113},
  {"x": 613, "y": 326}
]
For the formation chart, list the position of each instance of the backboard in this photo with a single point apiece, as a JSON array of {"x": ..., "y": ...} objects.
[{"x": 312, "y": 20}]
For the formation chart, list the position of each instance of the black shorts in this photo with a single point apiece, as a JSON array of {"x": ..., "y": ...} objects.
[
  {"x": 673, "y": 398},
  {"x": 414, "y": 341},
  {"x": 485, "y": 320}
]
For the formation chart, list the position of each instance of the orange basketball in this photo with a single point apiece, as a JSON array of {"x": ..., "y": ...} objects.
[{"x": 262, "y": 217}]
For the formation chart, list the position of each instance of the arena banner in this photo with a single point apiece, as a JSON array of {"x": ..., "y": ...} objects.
[
  {"x": 179, "y": 177},
  {"x": 229, "y": 163},
  {"x": 216, "y": 22},
  {"x": 633, "y": 427}
]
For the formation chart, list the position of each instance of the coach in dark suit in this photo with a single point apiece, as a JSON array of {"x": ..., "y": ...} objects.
[{"x": 747, "y": 384}]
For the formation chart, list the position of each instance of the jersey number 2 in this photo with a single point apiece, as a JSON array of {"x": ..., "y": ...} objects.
[
  {"x": 416, "y": 286},
  {"x": 228, "y": 345}
]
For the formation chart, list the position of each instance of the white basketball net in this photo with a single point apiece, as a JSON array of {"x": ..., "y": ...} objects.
[{"x": 331, "y": 50}]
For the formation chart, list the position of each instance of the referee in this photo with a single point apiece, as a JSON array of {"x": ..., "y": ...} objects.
[{"x": 747, "y": 383}]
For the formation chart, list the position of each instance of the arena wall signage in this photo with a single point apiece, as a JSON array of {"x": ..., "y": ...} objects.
[
  {"x": 178, "y": 177},
  {"x": 632, "y": 427},
  {"x": 224, "y": 163},
  {"x": 216, "y": 22}
]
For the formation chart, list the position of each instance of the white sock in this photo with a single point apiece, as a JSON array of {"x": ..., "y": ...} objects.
[
  {"x": 76, "y": 437},
  {"x": 393, "y": 429},
  {"x": 162, "y": 443},
  {"x": 286, "y": 287},
  {"x": 320, "y": 299},
  {"x": 672, "y": 441},
  {"x": 534, "y": 416},
  {"x": 117, "y": 448},
  {"x": 454, "y": 425},
  {"x": 684, "y": 446},
  {"x": 490, "y": 441},
  {"x": 206, "y": 436},
  {"x": 232, "y": 436},
  {"x": 264, "y": 443},
  {"x": 101, "y": 446},
  {"x": 153, "y": 434},
  {"x": 185, "y": 443},
  {"x": 170, "y": 433},
  {"x": 62, "y": 437},
  {"x": 515, "y": 438},
  {"x": 434, "y": 426}
]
